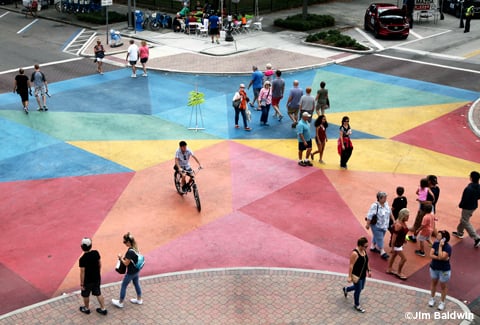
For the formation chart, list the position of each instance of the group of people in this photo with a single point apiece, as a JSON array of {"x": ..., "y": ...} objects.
[
  {"x": 381, "y": 218},
  {"x": 23, "y": 87},
  {"x": 90, "y": 274}
]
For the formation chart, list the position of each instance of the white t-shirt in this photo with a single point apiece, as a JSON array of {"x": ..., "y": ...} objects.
[
  {"x": 133, "y": 52},
  {"x": 183, "y": 158}
]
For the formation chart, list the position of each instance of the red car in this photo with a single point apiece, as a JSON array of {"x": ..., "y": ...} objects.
[{"x": 386, "y": 19}]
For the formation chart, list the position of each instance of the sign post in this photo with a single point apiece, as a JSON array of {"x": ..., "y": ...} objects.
[{"x": 106, "y": 3}]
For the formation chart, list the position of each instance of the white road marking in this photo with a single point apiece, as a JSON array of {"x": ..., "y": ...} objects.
[
  {"x": 42, "y": 65},
  {"x": 27, "y": 27}
]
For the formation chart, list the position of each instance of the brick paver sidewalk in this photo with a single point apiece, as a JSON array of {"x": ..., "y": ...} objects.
[{"x": 249, "y": 296}]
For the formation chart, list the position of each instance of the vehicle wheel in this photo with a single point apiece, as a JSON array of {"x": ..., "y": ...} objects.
[
  {"x": 154, "y": 25},
  {"x": 177, "y": 179},
  {"x": 197, "y": 197}
]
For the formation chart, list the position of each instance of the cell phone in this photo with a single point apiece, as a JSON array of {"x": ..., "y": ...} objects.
[{"x": 442, "y": 240}]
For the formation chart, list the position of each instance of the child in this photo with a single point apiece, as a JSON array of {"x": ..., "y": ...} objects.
[
  {"x": 423, "y": 191},
  {"x": 399, "y": 203},
  {"x": 425, "y": 230}
]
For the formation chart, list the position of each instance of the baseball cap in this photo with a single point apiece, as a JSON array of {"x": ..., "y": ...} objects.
[
  {"x": 242, "y": 85},
  {"x": 87, "y": 241},
  {"x": 306, "y": 114}
]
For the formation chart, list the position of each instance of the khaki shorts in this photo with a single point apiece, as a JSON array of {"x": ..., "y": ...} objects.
[{"x": 293, "y": 111}]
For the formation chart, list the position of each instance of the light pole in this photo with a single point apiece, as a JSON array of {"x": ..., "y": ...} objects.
[{"x": 461, "y": 15}]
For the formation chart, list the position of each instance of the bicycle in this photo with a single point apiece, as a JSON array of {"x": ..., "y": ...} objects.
[{"x": 189, "y": 186}]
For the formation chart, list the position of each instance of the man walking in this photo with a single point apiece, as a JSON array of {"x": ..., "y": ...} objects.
[
  {"x": 293, "y": 103},
  {"x": 41, "y": 88},
  {"x": 214, "y": 27},
  {"x": 90, "y": 267},
  {"x": 132, "y": 57},
  {"x": 278, "y": 88},
  {"x": 22, "y": 86},
  {"x": 304, "y": 140},
  {"x": 257, "y": 83},
  {"x": 468, "y": 204}
]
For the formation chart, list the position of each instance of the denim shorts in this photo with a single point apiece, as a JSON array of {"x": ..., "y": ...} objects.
[{"x": 444, "y": 276}]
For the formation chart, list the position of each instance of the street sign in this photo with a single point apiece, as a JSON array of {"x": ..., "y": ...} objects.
[{"x": 107, "y": 2}]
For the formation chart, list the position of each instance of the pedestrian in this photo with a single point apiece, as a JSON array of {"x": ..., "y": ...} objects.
[
  {"x": 398, "y": 204},
  {"x": 144, "y": 53},
  {"x": 410, "y": 7},
  {"x": 293, "y": 103},
  {"x": 41, "y": 88},
  {"x": 256, "y": 82},
  {"x": 304, "y": 140},
  {"x": 130, "y": 259},
  {"x": 99, "y": 52},
  {"x": 307, "y": 103},
  {"x": 322, "y": 99},
  {"x": 278, "y": 88},
  {"x": 345, "y": 146},
  {"x": 432, "y": 199},
  {"x": 132, "y": 57},
  {"x": 468, "y": 16},
  {"x": 268, "y": 73},
  {"x": 22, "y": 86},
  {"x": 377, "y": 220},
  {"x": 265, "y": 100},
  {"x": 422, "y": 191},
  {"x": 242, "y": 99},
  {"x": 440, "y": 269},
  {"x": 425, "y": 231},
  {"x": 400, "y": 230},
  {"x": 321, "y": 139},
  {"x": 468, "y": 204},
  {"x": 214, "y": 27},
  {"x": 357, "y": 272},
  {"x": 90, "y": 279}
]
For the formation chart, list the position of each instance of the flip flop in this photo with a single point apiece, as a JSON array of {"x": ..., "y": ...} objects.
[
  {"x": 391, "y": 272},
  {"x": 401, "y": 277}
]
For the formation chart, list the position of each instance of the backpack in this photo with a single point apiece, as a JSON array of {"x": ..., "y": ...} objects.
[{"x": 140, "y": 260}]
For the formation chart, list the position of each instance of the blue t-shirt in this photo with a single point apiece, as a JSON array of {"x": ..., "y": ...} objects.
[
  {"x": 296, "y": 94},
  {"x": 257, "y": 77},
  {"x": 441, "y": 265},
  {"x": 213, "y": 20},
  {"x": 303, "y": 128}
]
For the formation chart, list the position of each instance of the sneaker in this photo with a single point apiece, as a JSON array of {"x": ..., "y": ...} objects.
[
  {"x": 308, "y": 163},
  {"x": 25, "y": 109},
  {"x": 385, "y": 256},
  {"x": 133, "y": 75},
  {"x": 144, "y": 75},
  {"x": 117, "y": 303},
  {"x": 359, "y": 309},
  {"x": 40, "y": 109},
  {"x": 431, "y": 302},
  {"x": 248, "y": 129},
  {"x": 218, "y": 42},
  {"x": 45, "y": 108},
  {"x": 237, "y": 126},
  {"x": 101, "y": 311},
  {"x": 420, "y": 253},
  {"x": 302, "y": 163},
  {"x": 477, "y": 243},
  {"x": 441, "y": 306},
  {"x": 85, "y": 310},
  {"x": 411, "y": 238},
  {"x": 344, "y": 289},
  {"x": 280, "y": 118},
  {"x": 136, "y": 301},
  {"x": 457, "y": 234},
  {"x": 251, "y": 105}
]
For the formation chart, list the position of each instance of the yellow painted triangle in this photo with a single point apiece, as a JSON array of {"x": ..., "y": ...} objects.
[
  {"x": 387, "y": 123},
  {"x": 140, "y": 154}
]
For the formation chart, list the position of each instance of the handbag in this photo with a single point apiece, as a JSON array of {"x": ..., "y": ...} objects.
[
  {"x": 248, "y": 114},
  {"x": 374, "y": 219},
  {"x": 236, "y": 103},
  {"x": 120, "y": 267},
  {"x": 356, "y": 278}
]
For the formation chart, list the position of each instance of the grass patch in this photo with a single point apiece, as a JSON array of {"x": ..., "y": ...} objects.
[{"x": 337, "y": 39}]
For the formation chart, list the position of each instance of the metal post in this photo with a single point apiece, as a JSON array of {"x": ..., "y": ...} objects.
[
  {"x": 461, "y": 15},
  {"x": 106, "y": 20}
]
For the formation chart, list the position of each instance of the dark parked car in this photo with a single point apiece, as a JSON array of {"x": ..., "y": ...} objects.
[
  {"x": 454, "y": 7},
  {"x": 386, "y": 19}
]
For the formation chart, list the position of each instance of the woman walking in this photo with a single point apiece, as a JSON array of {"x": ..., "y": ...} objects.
[
  {"x": 321, "y": 139},
  {"x": 377, "y": 219},
  {"x": 322, "y": 99},
  {"x": 99, "y": 55},
  {"x": 400, "y": 230},
  {"x": 345, "y": 146},
  {"x": 241, "y": 98},
  {"x": 144, "y": 53},
  {"x": 440, "y": 270},
  {"x": 265, "y": 100},
  {"x": 130, "y": 259},
  {"x": 357, "y": 272}
]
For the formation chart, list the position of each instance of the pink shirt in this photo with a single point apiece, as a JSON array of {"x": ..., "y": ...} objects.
[
  {"x": 265, "y": 94},
  {"x": 143, "y": 52},
  {"x": 428, "y": 225}
]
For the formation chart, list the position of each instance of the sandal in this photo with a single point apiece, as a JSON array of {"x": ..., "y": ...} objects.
[
  {"x": 401, "y": 277},
  {"x": 391, "y": 272}
]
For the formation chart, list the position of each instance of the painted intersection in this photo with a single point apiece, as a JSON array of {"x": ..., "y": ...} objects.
[{"x": 99, "y": 164}]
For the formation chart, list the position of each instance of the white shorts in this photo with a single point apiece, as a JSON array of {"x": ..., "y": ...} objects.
[{"x": 398, "y": 249}]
